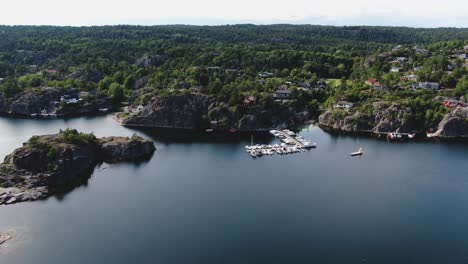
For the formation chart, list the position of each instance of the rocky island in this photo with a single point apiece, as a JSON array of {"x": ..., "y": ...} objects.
[{"x": 52, "y": 163}]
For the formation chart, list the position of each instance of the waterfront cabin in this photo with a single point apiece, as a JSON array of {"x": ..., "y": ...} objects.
[{"x": 1, "y": 80}]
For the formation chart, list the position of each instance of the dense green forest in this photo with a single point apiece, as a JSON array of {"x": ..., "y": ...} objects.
[{"x": 231, "y": 62}]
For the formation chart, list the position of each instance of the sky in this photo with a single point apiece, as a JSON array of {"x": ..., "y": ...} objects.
[{"x": 414, "y": 13}]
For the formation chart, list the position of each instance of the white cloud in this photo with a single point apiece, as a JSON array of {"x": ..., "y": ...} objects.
[{"x": 95, "y": 12}]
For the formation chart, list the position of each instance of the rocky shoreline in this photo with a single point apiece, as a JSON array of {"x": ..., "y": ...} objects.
[
  {"x": 393, "y": 119},
  {"x": 51, "y": 163},
  {"x": 203, "y": 112},
  {"x": 53, "y": 102}
]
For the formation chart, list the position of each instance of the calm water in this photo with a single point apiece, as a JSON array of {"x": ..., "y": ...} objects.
[{"x": 204, "y": 202}]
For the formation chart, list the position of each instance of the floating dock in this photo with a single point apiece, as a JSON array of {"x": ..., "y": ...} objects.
[{"x": 290, "y": 144}]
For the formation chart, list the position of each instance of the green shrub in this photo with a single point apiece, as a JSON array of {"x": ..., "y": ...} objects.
[{"x": 72, "y": 136}]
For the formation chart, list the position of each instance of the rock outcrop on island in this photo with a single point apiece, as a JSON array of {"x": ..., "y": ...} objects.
[
  {"x": 382, "y": 119},
  {"x": 454, "y": 124},
  {"x": 50, "y": 163},
  {"x": 199, "y": 111},
  {"x": 49, "y": 101}
]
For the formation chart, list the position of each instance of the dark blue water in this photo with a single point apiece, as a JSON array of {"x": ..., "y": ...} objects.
[{"x": 202, "y": 202}]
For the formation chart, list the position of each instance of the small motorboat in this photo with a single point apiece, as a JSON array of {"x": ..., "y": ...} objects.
[
  {"x": 357, "y": 153},
  {"x": 209, "y": 130}
]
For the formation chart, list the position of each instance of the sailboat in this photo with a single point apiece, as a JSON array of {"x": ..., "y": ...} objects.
[{"x": 358, "y": 153}]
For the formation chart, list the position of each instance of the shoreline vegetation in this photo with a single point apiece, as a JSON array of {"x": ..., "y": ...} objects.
[{"x": 386, "y": 80}]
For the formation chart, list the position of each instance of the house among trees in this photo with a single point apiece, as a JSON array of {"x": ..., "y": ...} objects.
[
  {"x": 375, "y": 84},
  {"x": 1, "y": 80},
  {"x": 266, "y": 74},
  {"x": 401, "y": 59},
  {"x": 426, "y": 85},
  {"x": 410, "y": 77},
  {"x": 213, "y": 68},
  {"x": 466, "y": 47},
  {"x": 371, "y": 81},
  {"x": 321, "y": 84},
  {"x": 248, "y": 100},
  {"x": 343, "y": 105},
  {"x": 395, "y": 70},
  {"x": 51, "y": 71},
  {"x": 283, "y": 93},
  {"x": 420, "y": 51}
]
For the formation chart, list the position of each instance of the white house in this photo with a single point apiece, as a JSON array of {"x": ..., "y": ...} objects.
[
  {"x": 1, "y": 80},
  {"x": 466, "y": 47},
  {"x": 395, "y": 70},
  {"x": 426, "y": 85}
]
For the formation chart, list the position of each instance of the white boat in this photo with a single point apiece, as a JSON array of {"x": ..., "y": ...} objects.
[
  {"x": 209, "y": 130},
  {"x": 411, "y": 136},
  {"x": 358, "y": 153}
]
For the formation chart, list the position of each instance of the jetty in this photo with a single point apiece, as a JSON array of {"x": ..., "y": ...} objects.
[{"x": 291, "y": 143}]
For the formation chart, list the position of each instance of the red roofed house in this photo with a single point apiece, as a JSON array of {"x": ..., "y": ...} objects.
[
  {"x": 51, "y": 71},
  {"x": 372, "y": 81}
]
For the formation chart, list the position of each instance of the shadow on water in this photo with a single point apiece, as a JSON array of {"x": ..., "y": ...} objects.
[
  {"x": 170, "y": 135},
  {"x": 82, "y": 180}
]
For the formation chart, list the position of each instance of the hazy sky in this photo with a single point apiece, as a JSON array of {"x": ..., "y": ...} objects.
[{"x": 421, "y": 13}]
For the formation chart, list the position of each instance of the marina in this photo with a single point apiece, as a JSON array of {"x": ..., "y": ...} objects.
[{"x": 291, "y": 143}]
